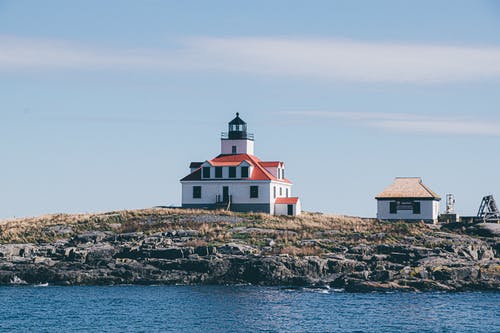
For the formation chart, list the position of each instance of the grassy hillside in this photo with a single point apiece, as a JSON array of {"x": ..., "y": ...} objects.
[{"x": 287, "y": 234}]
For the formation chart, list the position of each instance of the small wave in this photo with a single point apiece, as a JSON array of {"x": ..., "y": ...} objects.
[{"x": 17, "y": 281}]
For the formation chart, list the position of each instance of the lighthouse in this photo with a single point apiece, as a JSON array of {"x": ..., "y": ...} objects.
[
  {"x": 239, "y": 181},
  {"x": 237, "y": 140}
]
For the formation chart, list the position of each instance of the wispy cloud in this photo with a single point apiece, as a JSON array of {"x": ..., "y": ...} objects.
[
  {"x": 330, "y": 59},
  {"x": 411, "y": 123}
]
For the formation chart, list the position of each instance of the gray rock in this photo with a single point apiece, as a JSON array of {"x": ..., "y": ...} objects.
[
  {"x": 236, "y": 249},
  {"x": 91, "y": 237}
]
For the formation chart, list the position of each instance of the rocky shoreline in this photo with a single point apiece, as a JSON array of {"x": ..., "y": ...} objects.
[{"x": 171, "y": 246}]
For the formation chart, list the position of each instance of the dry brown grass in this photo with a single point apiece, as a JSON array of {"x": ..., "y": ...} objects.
[
  {"x": 292, "y": 229},
  {"x": 38, "y": 229},
  {"x": 301, "y": 251}
]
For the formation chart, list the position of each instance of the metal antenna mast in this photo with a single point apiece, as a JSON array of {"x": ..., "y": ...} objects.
[{"x": 488, "y": 211}]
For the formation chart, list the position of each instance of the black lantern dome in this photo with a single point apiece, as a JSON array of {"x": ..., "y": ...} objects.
[{"x": 238, "y": 129}]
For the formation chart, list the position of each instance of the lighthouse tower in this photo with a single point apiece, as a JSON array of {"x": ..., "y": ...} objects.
[{"x": 237, "y": 140}]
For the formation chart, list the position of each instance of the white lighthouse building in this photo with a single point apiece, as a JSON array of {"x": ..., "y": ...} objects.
[{"x": 239, "y": 181}]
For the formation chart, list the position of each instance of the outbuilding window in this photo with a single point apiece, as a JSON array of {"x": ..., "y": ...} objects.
[
  {"x": 416, "y": 208},
  {"x": 393, "y": 208},
  {"x": 196, "y": 192},
  {"x": 254, "y": 191},
  {"x": 232, "y": 172},
  {"x": 206, "y": 172}
]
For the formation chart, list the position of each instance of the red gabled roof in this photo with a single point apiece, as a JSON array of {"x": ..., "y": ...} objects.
[
  {"x": 270, "y": 164},
  {"x": 287, "y": 201},
  {"x": 259, "y": 171},
  {"x": 212, "y": 163}
]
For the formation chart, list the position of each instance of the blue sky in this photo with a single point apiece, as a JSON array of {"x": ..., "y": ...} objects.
[{"x": 105, "y": 103}]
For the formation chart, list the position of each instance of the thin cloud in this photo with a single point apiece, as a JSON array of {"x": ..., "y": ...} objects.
[
  {"x": 411, "y": 123},
  {"x": 325, "y": 59}
]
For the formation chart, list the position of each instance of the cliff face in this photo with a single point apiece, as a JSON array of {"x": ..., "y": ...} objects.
[{"x": 168, "y": 246}]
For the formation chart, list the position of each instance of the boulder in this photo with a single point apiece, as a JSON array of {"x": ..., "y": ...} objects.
[
  {"x": 236, "y": 249},
  {"x": 168, "y": 253},
  {"x": 91, "y": 237}
]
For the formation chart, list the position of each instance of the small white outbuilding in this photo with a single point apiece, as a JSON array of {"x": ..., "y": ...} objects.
[
  {"x": 408, "y": 199},
  {"x": 287, "y": 206}
]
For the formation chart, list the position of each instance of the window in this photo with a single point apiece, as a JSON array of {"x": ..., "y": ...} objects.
[
  {"x": 218, "y": 172},
  {"x": 232, "y": 172},
  {"x": 393, "y": 208},
  {"x": 287, "y": 192},
  {"x": 279, "y": 173},
  {"x": 281, "y": 191},
  {"x": 254, "y": 191},
  {"x": 274, "y": 192},
  {"x": 244, "y": 172},
  {"x": 282, "y": 173},
  {"x": 416, "y": 208},
  {"x": 233, "y": 149},
  {"x": 196, "y": 192},
  {"x": 206, "y": 172}
]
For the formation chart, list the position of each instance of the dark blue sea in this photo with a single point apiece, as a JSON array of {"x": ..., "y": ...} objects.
[{"x": 241, "y": 309}]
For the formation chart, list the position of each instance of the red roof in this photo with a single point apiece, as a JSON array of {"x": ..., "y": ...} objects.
[
  {"x": 259, "y": 171},
  {"x": 287, "y": 201},
  {"x": 270, "y": 164},
  {"x": 224, "y": 163}
]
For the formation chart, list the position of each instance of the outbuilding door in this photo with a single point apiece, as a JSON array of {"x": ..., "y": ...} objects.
[
  {"x": 225, "y": 194},
  {"x": 290, "y": 209}
]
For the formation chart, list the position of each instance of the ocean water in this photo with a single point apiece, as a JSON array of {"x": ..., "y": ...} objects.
[{"x": 241, "y": 309}]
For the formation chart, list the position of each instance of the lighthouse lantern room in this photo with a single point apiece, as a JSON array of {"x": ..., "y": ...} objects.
[{"x": 237, "y": 140}]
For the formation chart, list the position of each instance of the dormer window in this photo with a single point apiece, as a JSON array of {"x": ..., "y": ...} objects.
[
  {"x": 244, "y": 172},
  {"x": 218, "y": 172},
  {"x": 232, "y": 172},
  {"x": 206, "y": 172}
]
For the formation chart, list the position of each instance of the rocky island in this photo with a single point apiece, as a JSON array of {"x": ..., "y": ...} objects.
[{"x": 181, "y": 246}]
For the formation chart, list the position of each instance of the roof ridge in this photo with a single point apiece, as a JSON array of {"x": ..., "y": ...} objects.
[{"x": 267, "y": 173}]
